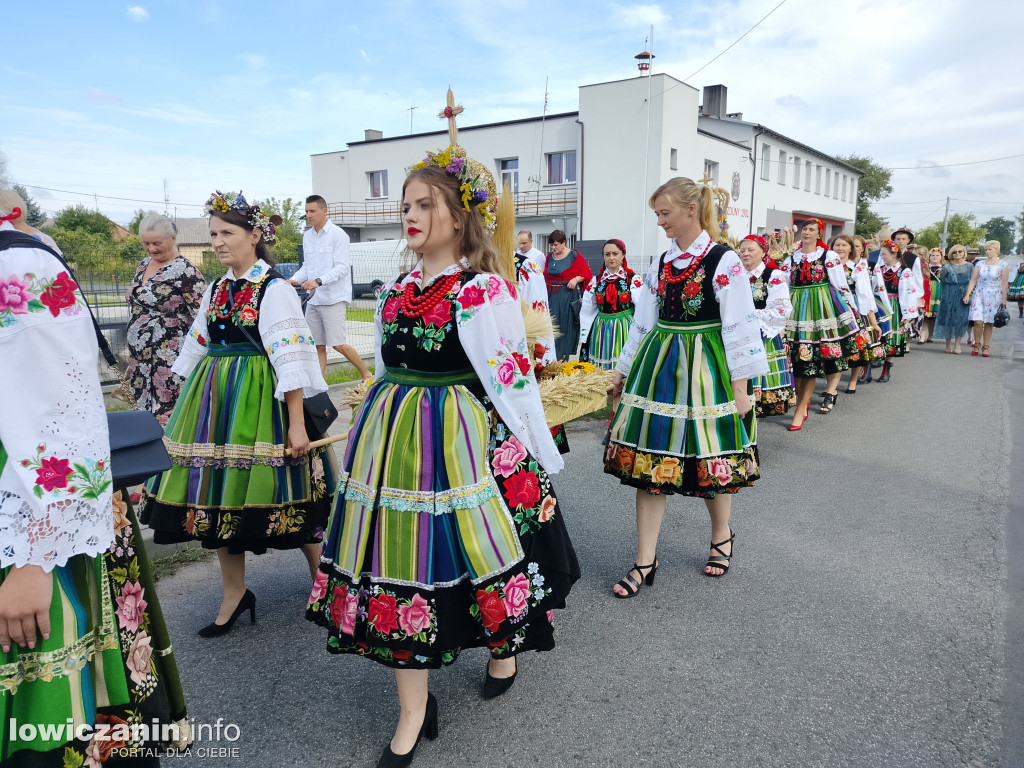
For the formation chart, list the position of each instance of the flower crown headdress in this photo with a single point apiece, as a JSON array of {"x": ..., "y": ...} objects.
[
  {"x": 476, "y": 183},
  {"x": 223, "y": 202},
  {"x": 891, "y": 245}
]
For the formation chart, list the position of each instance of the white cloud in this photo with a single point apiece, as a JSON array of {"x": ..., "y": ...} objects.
[
  {"x": 365, "y": 56},
  {"x": 639, "y": 16},
  {"x": 137, "y": 13},
  {"x": 253, "y": 60}
]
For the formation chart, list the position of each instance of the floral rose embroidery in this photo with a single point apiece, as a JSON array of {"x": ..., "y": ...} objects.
[
  {"x": 692, "y": 289},
  {"x": 338, "y": 603},
  {"x": 414, "y": 618},
  {"x": 517, "y": 592},
  {"x": 439, "y": 314},
  {"x": 130, "y": 606},
  {"x": 735, "y": 269},
  {"x": 471, "y": 296},
  {"x": 522, "y": 361},
  {"x": 248, "y": 315},
  {"x": 547, "y": 510},
  {"x": 348, "y": 619},
  {"x": 60, "y": 295},
  {"x": 319, "y": 588},
  {"x": 522, "y": 489},
  {"x": 804, "y": 352},
  {"x": 139, "y": 654},
  {"x": 720, "y": 470},
  {"x": 507, "y": 457},
  {"x": 722, "y": 280},
  {"x": 390, "y": 311},
  {"x": 104, "y": 748},
  {"x": 53, "y": 473},
  {"x": 641, "y": 465},
  {"x": 15, "y": 296},
  {"x": 383, "y": 613},
  {"x": 120, "y": 513},
  {"x": 507, "y": 370},
  {"x": 492, "y": 610},
  {"x": 668, "y": 471}
]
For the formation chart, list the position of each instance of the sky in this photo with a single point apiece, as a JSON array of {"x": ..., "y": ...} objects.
[{"x": 113, "y": 99}]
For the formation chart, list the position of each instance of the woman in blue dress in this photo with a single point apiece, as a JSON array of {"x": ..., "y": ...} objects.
[{"x": 955, "y": 276}]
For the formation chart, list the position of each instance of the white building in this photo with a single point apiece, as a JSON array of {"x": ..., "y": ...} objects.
[{"x": 585, "y": 173}]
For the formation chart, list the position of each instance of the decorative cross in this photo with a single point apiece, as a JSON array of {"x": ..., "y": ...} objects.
[
  {"x": 707, "y": 180},
  {"x": 450, "y": 112}
]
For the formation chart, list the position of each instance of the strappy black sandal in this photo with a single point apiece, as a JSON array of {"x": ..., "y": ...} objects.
[
  {"x": 829, "y": 402},
  {"x": 631, "y": 585},
  {"x": 721, "y": 560}
]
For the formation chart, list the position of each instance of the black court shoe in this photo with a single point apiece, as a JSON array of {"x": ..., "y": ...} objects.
[
  {"x": 247, "y": 603},
  {"x": 495, "y": 686},
  {"x": 389, "y": 759}
]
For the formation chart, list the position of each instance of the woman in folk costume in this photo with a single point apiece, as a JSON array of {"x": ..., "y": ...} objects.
[
  {"x": 685, "y": 423},
  {"x": 243, "y": 478},
  {"x": 82, "y": 638},
  {"x": 823, "y": 330},
  {"x": 607, "y": 310},
  {"x": 446, "y": 533},
  {"x": 910, "y": 258},
  {"x": 901, "y": 289},
  {"x": 936, "y": 259},
  {"x": 883, "y": 313},
  {"x": 858, "y": 279},
  {"x": 1016, "y": 289},
  {"x": 774, "y": 394}
]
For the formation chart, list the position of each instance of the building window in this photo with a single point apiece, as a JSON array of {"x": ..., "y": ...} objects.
[
  {"x": 835, "y": 185},
  {"x": 782, "y": 167},
  {"x": 853, "y": 189},
  {"x": 766, "y": 162},
  {"x": 508, "y": 170},
  {"x": 378, "y": 183},
  {"x": 673, "y": 159},
  {"x": 711, "y": 171},
  {"x": 796, "y": 172},
  {"x": 562, "y": 168},
  {"x": 807, "y": 175},
  {"x": 828, "y": 182},
  {"x": 817, "y": 179},
  {"x": 844, "y": 187}
]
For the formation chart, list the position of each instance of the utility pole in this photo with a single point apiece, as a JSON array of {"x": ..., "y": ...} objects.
[
  {"x": 167, "y": 199},
  {"x": 410, "y": 118},
  {"x": 647, "y": 153},
  {"x": 945, "y": 225}
]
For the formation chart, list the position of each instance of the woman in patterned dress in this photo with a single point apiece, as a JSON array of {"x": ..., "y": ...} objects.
[
  {"x": 243, "y": 478},
  {"x": 774, "y": 394},
  {"x": 932, "y": 276},
  {"x": 952, "y": 322},
  {"x": 607, "y": 310},
  {"x": 987, "y": 292},
  {"x": 901, "y": 288},
  {"x": 823, "y": 331},
  {"x": 163, "y": 301},
  {"x": 685, "y": 423},
  {"x": 446, "y": 533},
  {"x": 1016, "y": 290},
  {"x": 858, "y": 278}
]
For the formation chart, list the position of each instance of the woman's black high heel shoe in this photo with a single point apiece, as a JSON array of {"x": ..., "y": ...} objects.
[
  {"x": 631, "y": 585},
  {"x": 721, "y": 561},
  {"x": 248, "y": 602},
  {"x": 429, "y": 729},
  {"x": 495, "y": 686}
]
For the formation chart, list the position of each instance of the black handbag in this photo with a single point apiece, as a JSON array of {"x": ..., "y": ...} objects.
[
  {"x": 319, "y": 410},
  {"x": 1002, "y": 317},
  {"x": 137, "y": 449}
]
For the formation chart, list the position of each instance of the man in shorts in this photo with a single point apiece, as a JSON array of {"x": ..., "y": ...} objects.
[{"x": 326, "y": 276}]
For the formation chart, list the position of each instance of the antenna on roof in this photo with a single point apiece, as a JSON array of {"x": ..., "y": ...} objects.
[{"x": 410, "y": 118}]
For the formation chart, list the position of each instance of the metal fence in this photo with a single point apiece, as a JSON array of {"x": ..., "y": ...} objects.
[{"x": 105, "y": 279}]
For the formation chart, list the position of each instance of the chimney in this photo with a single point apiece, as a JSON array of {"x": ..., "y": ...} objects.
[
  {"x": 371, "y": 135},
  {"x": 714, "y": 101}
]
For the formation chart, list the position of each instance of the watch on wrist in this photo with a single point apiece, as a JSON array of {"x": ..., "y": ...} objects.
[{"x": 318, "y": 281}]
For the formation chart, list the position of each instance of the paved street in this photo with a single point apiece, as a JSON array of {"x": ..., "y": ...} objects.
[{"x": 865, "y": 621}]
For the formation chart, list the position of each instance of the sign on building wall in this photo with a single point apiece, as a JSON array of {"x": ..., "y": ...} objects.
[{"x": 735, "y": 186}]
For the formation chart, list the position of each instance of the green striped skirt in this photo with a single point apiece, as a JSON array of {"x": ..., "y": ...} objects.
[
  {"x": 935, "y": 298},
  {"x": 446, "y": 533},
  {"x": 231, "y": 484},
  {"x": 108, "y": 659},
  {"x": 897, "y": 340},
  {"x": 676, "y": 429},
  {"x": 1016, "y": 290},
  {"x": 607, "y": 336},
  {"x": 823, "y": 331},
  {"x": 775, "y": 393}
]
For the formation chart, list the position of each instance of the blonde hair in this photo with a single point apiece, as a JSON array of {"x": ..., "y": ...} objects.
[
  {"x": 472, "y": 239},
  {"x": 9, "y": 200},
  {"x": 864, "y": 245},
  {"x": 996, "y": 243},
  {"x": 921, "y": 251},
  {"x": 681, "y": 191}
]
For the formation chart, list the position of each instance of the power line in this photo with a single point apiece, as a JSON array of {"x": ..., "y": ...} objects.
[
  {"x": 989, "y": 202},
  {"x": 111, "y": 197},
  {"x": 952, "y": 165},
  {"x": 773, "y": 10}
]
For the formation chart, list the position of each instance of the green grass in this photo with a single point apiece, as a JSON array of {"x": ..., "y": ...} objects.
[
  {"x": 345, "y": 374},
  {"x": 602, "y": 415},
  {"x": 186, "y": 554},
  {"x": 360, "y": 315}
]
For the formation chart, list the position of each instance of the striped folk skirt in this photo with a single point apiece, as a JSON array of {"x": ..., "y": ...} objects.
[
  {"x": 446, "y": 533},
  {"x": 607, "y": 336},
  {"x": 935, "y": 300},
  {"x": 108, "y": 660},
  {"x": 775, "y": 393},
  {"x": 1016, "y": 290},
  {"x": 822, "y": 330},
  {"x": 896, "y": 343},
  {"x": 676, "y": 429},
  {"x": 231, "y": 484}
]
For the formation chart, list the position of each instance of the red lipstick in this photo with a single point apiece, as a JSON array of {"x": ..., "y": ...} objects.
[{"x": 412, "y": 231}]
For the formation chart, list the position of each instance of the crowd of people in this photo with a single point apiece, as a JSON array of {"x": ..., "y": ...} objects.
[{"x": 439, "y": 529}]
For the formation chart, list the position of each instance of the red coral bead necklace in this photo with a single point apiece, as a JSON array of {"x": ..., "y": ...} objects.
[
  {"x": 417, "y": 306},
  {"x": 687, "y": 273}
]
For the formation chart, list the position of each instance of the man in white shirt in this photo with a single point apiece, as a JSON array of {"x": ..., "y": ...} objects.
[
  {"x": 527, "y": 251},
  {"x": 326, "y": 276}
]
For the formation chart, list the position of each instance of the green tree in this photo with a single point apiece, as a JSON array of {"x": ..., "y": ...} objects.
[
  {"x": 960, "y": 230},
  {"x": 78, "y": 218},
  {"x": 930, "y": 237},
  {"x": 137, "y": 217},
  {"x": 873, "y": 186},
  {"x": 1019, "y": 221},
  {"x": 1000, "y": 228},
  {"x": 34, "y": 215},
  {"x": 289, "y": 232}
]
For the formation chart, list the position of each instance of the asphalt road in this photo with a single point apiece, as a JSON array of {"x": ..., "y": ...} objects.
[{"x": 871, "y": 617}]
